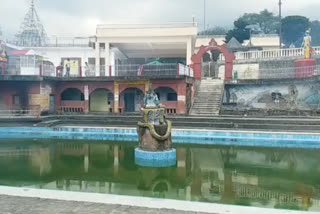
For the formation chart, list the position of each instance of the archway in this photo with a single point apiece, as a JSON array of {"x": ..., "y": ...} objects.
[
  {"x": 101, "y": 100},
  {"x": 228, "y": 55},
  {"x": 72, "y": 94},
  {"x": 166, "y": 94},
  {"x": 131, "y": 99}
]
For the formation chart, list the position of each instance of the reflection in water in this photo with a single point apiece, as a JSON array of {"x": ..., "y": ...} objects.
[{"x": 262, "y": 177}]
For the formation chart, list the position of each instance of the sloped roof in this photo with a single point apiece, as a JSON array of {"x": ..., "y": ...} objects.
[
  {"x": 234, "y": 44},
  {"x": 21, "y": 52},
  {"x": 263, "y": 41},
  {"x": 204, "y": 40}
]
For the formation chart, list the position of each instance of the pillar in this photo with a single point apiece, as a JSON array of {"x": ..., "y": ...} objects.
[
  {"x": 189, "y": 51},
  {"x": 228, "y": 70},
  {"x": 107, "y": 58},
  {"x": 86, "y": 98},
  {"x": 116, "y": 160},
  {"x": 86, "y": 159},
  {"x": 181, "y": 102},
  {"x": 181, "y": 164},
  {"x": 97, "y": 55},
  {"x": 146, "y": 86},
  {"x": 116, "y": 98},
  {"x": 188, "y": 193}
]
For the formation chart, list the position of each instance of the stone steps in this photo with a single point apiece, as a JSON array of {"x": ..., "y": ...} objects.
[
  {"x": 207, "y": 98},
  {"x": 205, "y": 119}
]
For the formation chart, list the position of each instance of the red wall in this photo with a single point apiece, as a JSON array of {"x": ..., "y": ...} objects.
[{"x": 10, "y": 88}]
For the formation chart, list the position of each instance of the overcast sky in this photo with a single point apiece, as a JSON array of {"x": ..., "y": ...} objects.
[{"x": 79, "y": 17}]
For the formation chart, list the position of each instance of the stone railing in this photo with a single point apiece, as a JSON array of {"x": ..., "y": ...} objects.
[
  {"x": 72, "y": 107},
  {"x": 20, "y": 113},
  {"x": 271, "y": 54}
]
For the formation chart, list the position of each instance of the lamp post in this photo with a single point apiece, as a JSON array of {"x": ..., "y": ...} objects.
[
  {"x": 280, "y": 24},
  {"x": 204, "y": 15}
]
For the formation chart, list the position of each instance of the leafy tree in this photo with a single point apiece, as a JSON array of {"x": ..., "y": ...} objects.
[
  {"x": 266, "y": 21},
  {"x": 315, "y": 33},
  {"x": 293, "y": 29},
  {"x": 214, "y": 31},
  {"x": 240, "y": 32}
]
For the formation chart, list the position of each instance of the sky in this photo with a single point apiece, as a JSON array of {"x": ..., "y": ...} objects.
[{"x": 80, "y": 17}]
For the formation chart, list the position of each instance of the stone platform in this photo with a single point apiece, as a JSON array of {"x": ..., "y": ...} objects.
[
  {"x": 15, "y": 200},
  {"x": 24, "y": 205}
]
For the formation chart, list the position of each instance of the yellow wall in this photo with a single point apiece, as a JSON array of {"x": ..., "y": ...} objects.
[
  {"x": 39, "y": 100},
  {"x": 99, "y": 101}
]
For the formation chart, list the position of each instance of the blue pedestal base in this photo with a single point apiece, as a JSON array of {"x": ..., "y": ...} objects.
[{"x": 155, "y": 159}]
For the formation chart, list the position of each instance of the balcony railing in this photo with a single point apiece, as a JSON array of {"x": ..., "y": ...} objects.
[
  {"x": 127, "y": 70},
  {"x": 131, "y": 70},
  {"x": 272, "y": 54},
  {"x": 65, "y": 42}
]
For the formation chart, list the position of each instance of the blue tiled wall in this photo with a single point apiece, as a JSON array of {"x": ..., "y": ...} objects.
[
  {"x": 155, "y": 159},
  {"x": 204, "y": 137}
]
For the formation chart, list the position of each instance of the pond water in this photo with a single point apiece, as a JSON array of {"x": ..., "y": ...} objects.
[{"x": 249, "y": 176}]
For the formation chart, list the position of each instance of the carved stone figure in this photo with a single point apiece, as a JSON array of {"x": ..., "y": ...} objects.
[
  {"x": 293, "y": 95},
  {"x": 151, "y": 99}
]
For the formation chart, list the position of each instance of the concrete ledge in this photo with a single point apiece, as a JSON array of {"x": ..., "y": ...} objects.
[
  {"x": 180, "y": 136},
  {"x": 154, "y": 203}
]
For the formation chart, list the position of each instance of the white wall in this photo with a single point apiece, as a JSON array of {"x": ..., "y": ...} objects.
[
  {"x": 245, "y": 71},
  {"x": 54, "y": 54}
]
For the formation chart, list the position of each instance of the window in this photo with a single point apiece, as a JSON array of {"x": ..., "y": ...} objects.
[
  {"x": 92, "y": 61},
  {"x": 102, "y": 45},
  {"x": 172, "y": 97},
  {"x": 16, "y": 100}
]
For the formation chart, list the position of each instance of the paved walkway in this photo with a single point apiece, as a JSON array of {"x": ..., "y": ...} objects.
[{"x": 25, "y": 205}]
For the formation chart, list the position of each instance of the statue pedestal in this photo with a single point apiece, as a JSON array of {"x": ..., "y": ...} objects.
[
  {"x": 305, "y": 68},
  {"x": 155, "y": 159},
  {"x": 155, "y": 145}
]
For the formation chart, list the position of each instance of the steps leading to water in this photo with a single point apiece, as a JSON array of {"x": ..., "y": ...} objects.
[
  {"x": 208, "y": 97},
  {"x": 196, "y": 122}
]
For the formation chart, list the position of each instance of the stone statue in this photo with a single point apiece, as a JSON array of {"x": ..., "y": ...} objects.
[
  {"x": 306, "y": 44},
  {"x": 151, "y": 99},
  {"x": 293, "y": 96},
  {"x": 154, "y": 131}
]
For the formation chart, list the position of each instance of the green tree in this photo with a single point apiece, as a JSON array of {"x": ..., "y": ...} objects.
[
  {"x": 240, "y": 32},
  {"x": 293, "y": 29},
  {"x": 315, "y": 33},
  {"x": 266, "y": 21},
  {"x": 214, "y": 31}
]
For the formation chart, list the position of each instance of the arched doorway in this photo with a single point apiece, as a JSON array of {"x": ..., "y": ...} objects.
[
  {"x": 131, "y": 99},
  {"x": 213, "y": 46},
  {"x": 101, "y": 100},
  {"x": 72, "y": 94}
]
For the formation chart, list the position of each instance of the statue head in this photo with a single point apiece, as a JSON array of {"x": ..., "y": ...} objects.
[
  {"x": 308, "y": 32},
  {"x": 151, "y": 99}
]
